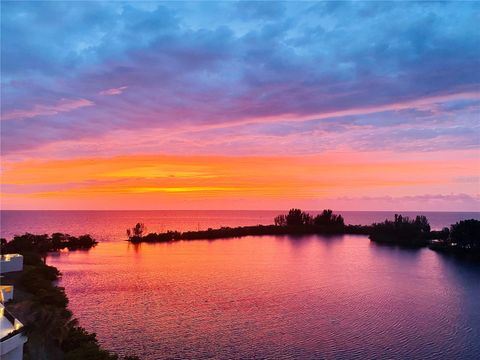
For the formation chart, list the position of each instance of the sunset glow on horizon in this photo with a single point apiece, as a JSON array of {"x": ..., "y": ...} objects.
[{"x": 269, "y": 106}]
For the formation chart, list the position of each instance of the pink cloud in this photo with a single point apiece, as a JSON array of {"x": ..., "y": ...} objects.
[
  {"x": 429, "y": 102},
  {"x": 423, "y": 103},
  {"x": 64, "y": 105},
  {"x": 113, "y": 91}
]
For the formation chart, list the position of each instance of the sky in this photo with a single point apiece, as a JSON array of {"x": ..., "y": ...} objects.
[{"x": 240, "y": 105}]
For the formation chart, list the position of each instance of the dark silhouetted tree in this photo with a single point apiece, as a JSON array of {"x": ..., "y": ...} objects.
[
  {"x": 137, "y": 231},
  {"x": 421, "y": 222},
  {"x": 402, "y": 231},
  {"x": 280, "y": 220},
  {"x": 297, "y": 217},
  {"x": 466, "y": 234},
  {"x": 330, "y": 220}
]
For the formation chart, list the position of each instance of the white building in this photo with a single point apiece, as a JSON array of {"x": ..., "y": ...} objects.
[
  {"x": 10, "y": 263},
  {"x": 11, "y": 334}
]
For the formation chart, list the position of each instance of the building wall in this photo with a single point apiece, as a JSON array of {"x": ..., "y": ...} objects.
[
  {"x": 12, "y": 348},
  {"x": 11, "y": 262}
]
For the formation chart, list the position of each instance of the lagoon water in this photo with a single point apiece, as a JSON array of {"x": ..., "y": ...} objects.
[{"x": 270, "y": 297}]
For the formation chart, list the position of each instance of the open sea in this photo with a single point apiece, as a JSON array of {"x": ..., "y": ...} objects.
[{"x": 270, "y": 297}]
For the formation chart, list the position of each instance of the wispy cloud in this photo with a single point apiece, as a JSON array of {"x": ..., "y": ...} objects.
[
  {"x": 113, "y": 91},
  {"x": 423, "y": 103},
  {"x": 64, "y": 105}
]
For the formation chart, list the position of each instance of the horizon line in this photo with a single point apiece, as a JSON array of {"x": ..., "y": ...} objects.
[{"x": 326, "y": 208}]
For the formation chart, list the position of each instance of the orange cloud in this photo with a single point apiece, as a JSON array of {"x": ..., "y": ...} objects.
[{"x": 167, "y": 181}]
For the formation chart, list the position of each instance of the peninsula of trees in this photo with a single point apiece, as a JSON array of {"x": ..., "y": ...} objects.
[
  {"x": 462, "y": 238},
  {"x": 295, "y": 222}
]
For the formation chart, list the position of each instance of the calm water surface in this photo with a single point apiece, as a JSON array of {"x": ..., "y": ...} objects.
[{"x": 268, "y": 297}]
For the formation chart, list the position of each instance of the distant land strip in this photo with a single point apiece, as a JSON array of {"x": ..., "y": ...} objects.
[{"x": 461, "y": 239}]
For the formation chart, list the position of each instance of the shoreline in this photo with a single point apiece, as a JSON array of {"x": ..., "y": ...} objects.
[
  {"x": 242, "y": 231},
  {"x": 460, "y": 239},
  {"x": 41, "y": 305}
]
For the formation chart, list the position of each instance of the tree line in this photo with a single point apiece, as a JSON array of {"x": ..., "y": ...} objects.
[
  {"x": 462, "y": 237},
  {"x": 45, "y": 243}
]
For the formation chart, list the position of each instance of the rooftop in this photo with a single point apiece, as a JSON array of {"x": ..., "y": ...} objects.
[
  {"x": 8, "y": 323},
  {"x": 8, "y": 257}
]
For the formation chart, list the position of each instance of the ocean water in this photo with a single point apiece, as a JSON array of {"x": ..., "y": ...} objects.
[{"x": 270, "y": 297}]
